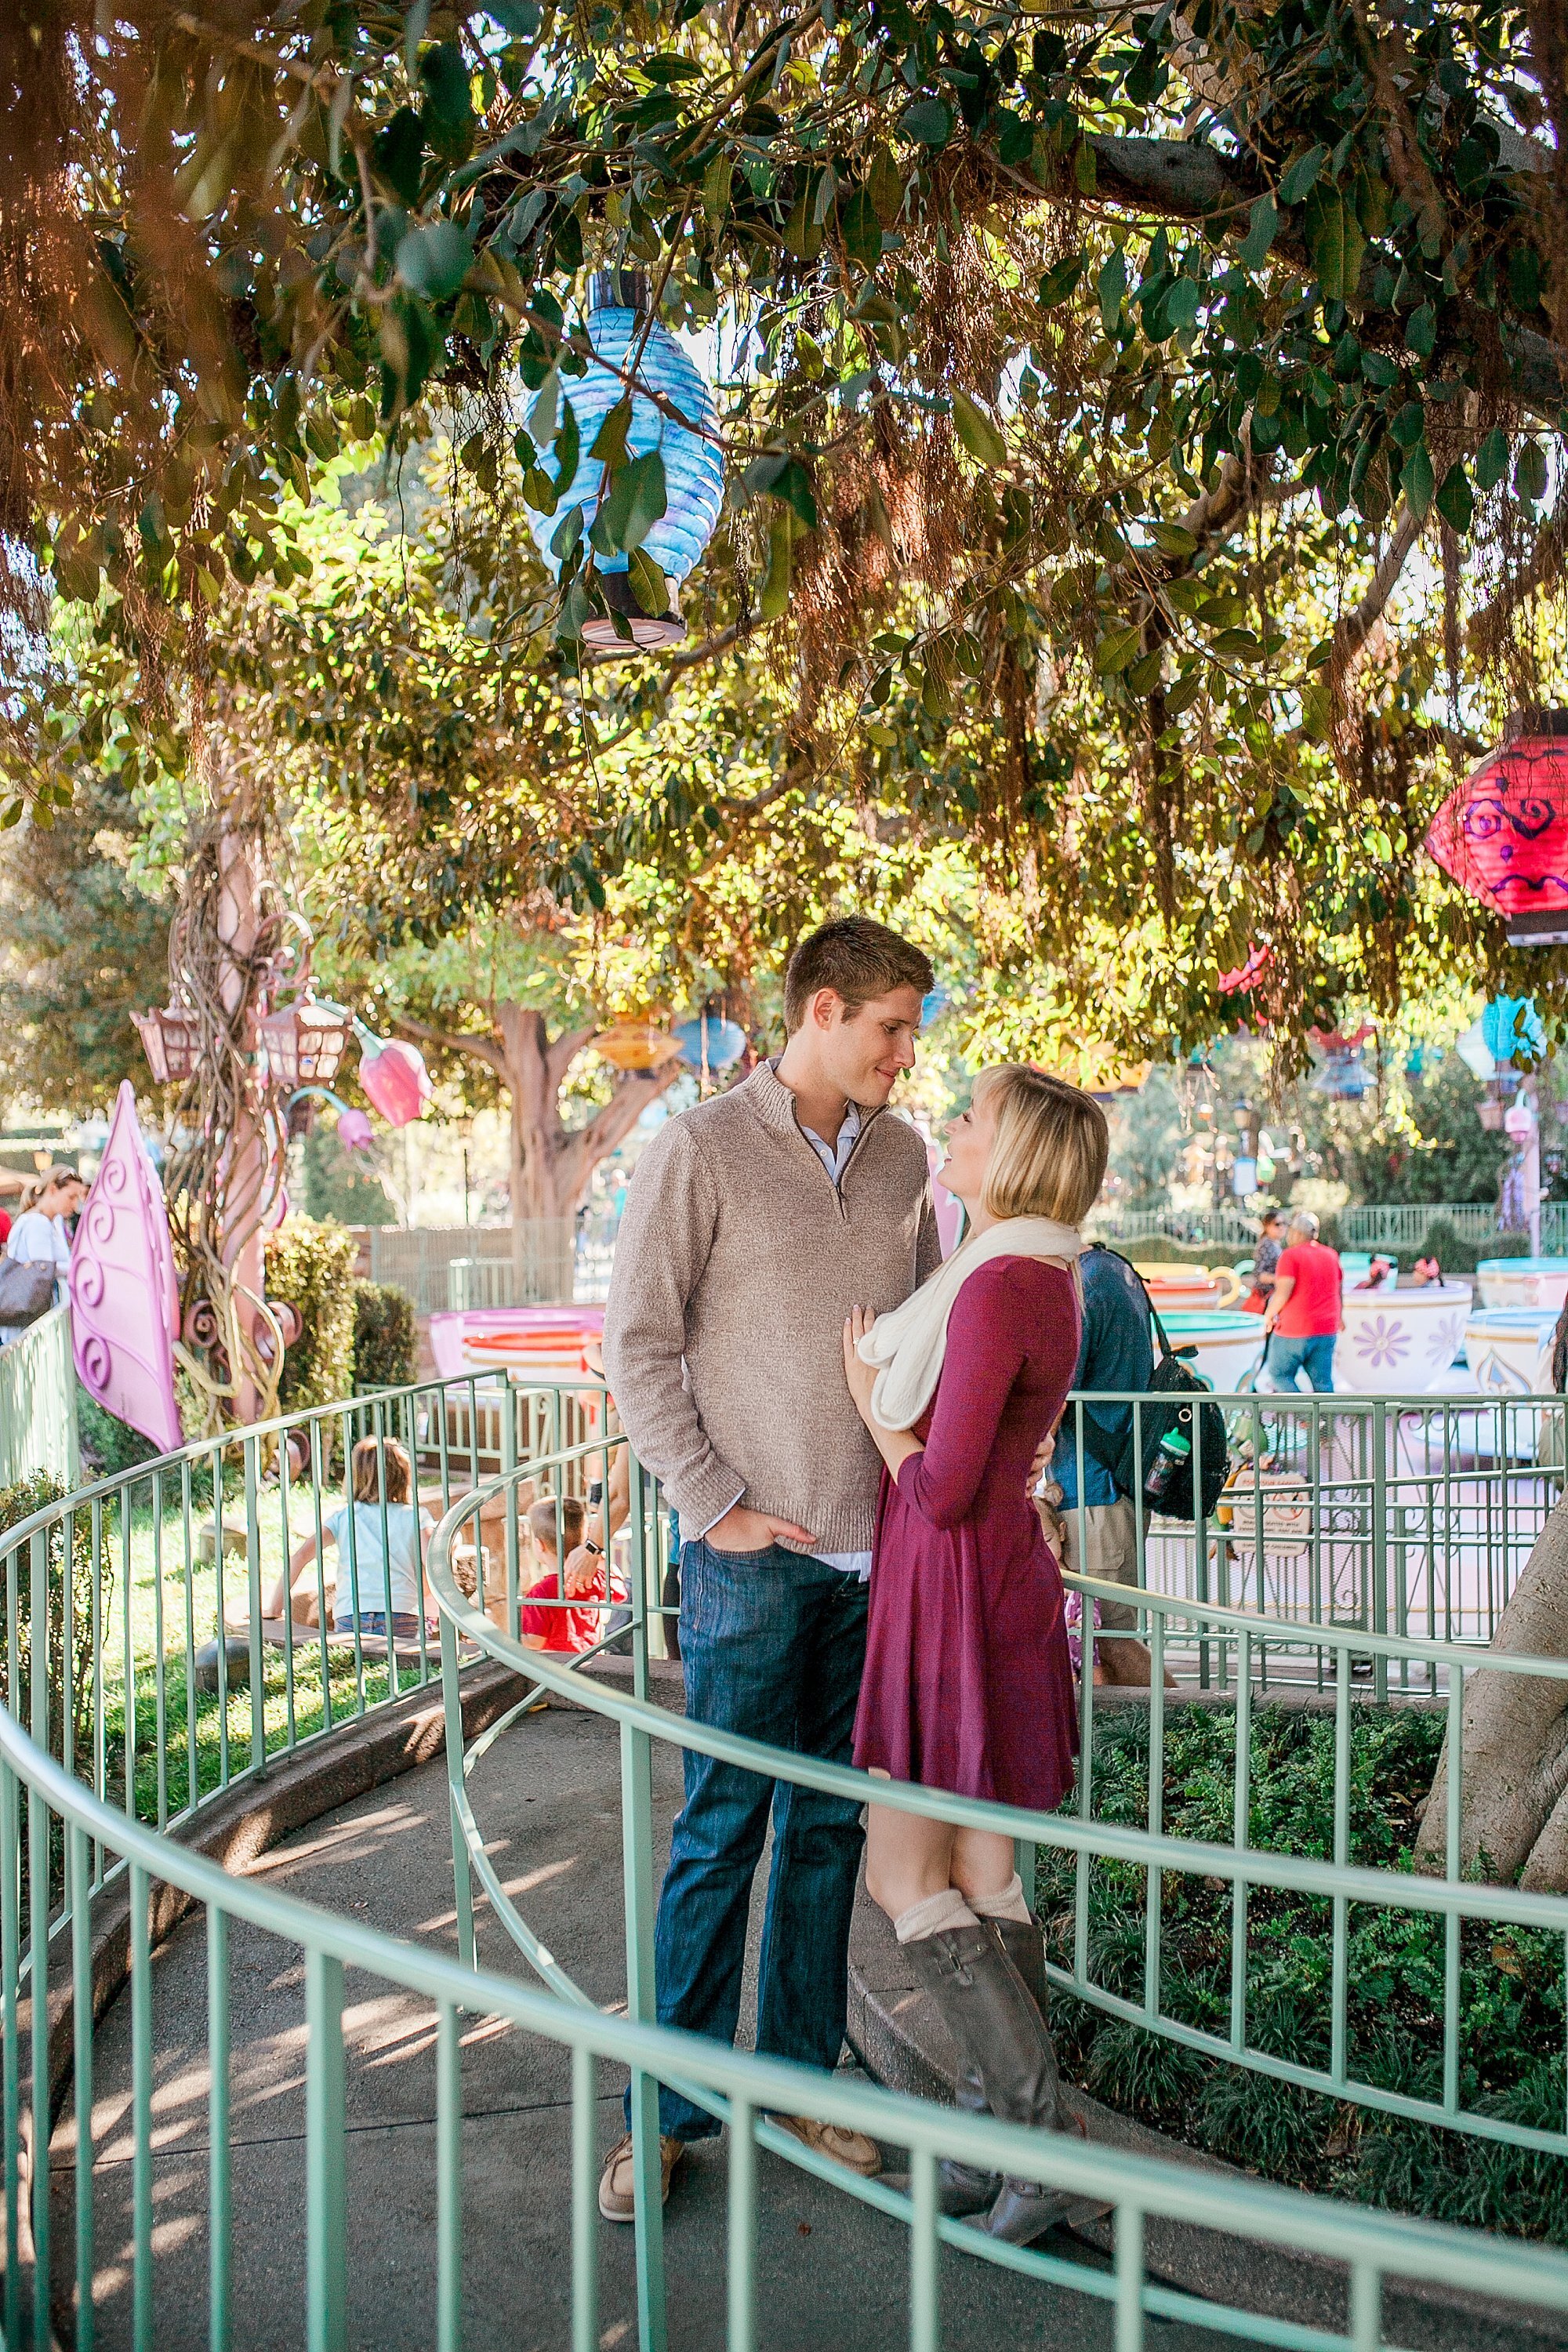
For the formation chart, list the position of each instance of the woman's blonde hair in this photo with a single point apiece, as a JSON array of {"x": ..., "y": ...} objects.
[
  {"x": 1050, "y": 1149},
  {"x": 365, "y": 1465},
  {"x": 59, "y": 1174}
]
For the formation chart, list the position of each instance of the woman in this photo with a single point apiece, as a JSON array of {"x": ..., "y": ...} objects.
[
  {"x": 39, "y": 1237},
  {"x": 968, "y": 1684}
]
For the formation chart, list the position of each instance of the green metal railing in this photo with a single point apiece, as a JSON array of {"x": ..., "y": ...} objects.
[
  {"x": 1419, "y": 1497},
  {"x": 37, "y": 1401}
]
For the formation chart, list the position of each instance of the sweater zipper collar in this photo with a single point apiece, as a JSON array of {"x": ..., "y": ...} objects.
[{"x": 868, "y": 1111}]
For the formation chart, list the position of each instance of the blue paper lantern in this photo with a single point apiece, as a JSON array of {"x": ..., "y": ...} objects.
[
  {"x": 726, "y": 1041},
  {"x": 1511, "y": 1028},
  {"x": 693, "y": 464}
]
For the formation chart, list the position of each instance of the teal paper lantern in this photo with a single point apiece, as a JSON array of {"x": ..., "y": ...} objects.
[{"x": 693, "y": 464}]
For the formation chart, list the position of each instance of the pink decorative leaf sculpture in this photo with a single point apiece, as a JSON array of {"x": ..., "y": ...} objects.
[
  {"x": 125, "y": 1300},
  {"x": 394, "y": 1078}
]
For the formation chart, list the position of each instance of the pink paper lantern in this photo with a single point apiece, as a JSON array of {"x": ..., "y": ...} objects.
[
  {"x": 354, "y": 1132},
  {"x": 394, "y": 1078}
]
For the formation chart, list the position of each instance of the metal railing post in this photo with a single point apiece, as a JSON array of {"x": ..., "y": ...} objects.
[
  {"x": 637, "y": 1844},
  {"x": 326, "y": 2220}
]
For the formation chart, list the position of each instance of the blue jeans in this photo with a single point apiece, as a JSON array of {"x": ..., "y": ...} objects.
[
  {"x": 1285, "y": 1358},
  {"x": 773, "y": 1646}
]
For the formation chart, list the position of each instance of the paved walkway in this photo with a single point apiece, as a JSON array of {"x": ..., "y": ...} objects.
[{"x": 829, "y": 2273}]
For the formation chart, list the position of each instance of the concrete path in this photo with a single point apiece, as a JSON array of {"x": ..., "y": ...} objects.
[{"x": 830, "y": 2273}]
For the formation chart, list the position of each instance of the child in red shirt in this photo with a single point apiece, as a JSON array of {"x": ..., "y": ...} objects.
[{"x": 565, "y": 1630}]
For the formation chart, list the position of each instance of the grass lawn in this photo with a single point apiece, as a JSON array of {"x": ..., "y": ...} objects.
[
  {"x": 170, "y": 1602},
  {"x": 1512, "y": 2014}
]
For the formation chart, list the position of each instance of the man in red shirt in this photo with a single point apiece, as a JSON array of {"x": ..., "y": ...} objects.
[{"x": 1303, "y": 1315}]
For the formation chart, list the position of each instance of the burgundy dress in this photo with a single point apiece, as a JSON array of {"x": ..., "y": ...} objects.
[{"x": 968, "y": 1682}]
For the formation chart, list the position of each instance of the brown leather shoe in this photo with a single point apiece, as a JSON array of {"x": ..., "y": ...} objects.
[
  {"x": 850, "y": 2148},
  {"x": 617, "y": 2182}
]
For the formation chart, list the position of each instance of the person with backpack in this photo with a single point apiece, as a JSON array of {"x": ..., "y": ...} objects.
[{"x": 1098, "y": 1523}]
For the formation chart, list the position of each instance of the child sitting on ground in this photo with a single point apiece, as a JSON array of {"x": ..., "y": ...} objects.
[
  {"x": 568, "y": 1629},
  {"x": 356, "y": 1530}
]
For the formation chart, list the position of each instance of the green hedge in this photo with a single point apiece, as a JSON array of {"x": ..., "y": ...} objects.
[
  {"x": 385, "y": 1340},
  {"x": 1511, "y": 1992},
  {"x": 310, "y": 1267}
]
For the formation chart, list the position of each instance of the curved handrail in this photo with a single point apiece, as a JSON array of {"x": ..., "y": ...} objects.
[
  {"x": 741, "y": 2085},
  {"x": 1336, "y": 1883},
  {"x": 1373, "y": 2246}
]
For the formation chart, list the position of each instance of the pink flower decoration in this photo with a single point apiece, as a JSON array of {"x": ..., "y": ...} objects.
[
  {"x": 354, "y": 1131},
  {"x": 394, "y": 1078}
]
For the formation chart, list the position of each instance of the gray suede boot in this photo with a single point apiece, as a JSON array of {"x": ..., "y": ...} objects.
[
  {"x": 1024, "y": 2210},
  {"x": 1008, "y": 2055}
]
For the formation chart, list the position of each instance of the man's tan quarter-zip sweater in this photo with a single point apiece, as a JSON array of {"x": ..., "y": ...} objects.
[{"x": 737, "y": 1260}]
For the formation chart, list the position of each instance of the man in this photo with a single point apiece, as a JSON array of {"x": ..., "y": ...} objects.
[
  {"x": 1116, "y": 1353},
  {"x": 754, "y": 1222},
  {"x": 1304, "y": 1311},
  {"x": 1266, "y": 1259}
]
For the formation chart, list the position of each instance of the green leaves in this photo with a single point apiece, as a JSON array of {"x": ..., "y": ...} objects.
[
  {"x": 1335, "y": 241},
  {"x": 448, "y": 117},
  {"x": 1530, "y": 473},
  {"x": 647, "y": 585},
  {"x": 861, "y": 229},
  {"x": 1416, "y": 482},
  {"x": 1116, "y": 650},
  {"x": 1491, "y": 459},
  {"x": 1262, "y": 223},
  {"x": 434, "y": 261},
  {"x": 635, "y": 502},
  {"x": 1456, "y": 500},
  {"x": 1060, "y": 281},
  {"x": 1421, "y": 332},
  {"x": 929, "y": 124},
  {"x": 1297, "y": 183},
  {"x": 610, "y": 441},
  {"x": 397, "y": 155},
  {"x": 1111, "y": 287},
  {"x": 977, "y": 433}
]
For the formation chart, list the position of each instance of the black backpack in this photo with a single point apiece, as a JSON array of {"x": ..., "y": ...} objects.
[{"x": 1175, "y": 1391}]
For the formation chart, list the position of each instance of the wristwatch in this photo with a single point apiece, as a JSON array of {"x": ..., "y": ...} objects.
[{"x": 597, "y": 1549}]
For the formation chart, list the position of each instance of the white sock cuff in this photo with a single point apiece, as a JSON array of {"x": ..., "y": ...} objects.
[
  {"x": 932, "y": 1915},
  {"x": 1008, "y": 1905}
]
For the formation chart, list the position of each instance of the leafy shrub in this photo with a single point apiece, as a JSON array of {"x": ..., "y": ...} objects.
[
  {"x": 1512, "y": 2011},
  {"x": 385, "y": 1346},
  {"x": 107, "y": 1440},
  {"x": 1457, "y": 1256},
  {"x": 310, "y": 1267},
  {"x": 18, "y": 1503}
]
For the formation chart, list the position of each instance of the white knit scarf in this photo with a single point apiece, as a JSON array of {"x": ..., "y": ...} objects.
[{"x": 910, "y": 1341}]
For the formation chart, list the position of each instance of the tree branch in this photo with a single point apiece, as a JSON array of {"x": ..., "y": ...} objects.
[
  {"x": 455, "y": 1041},
  {"x": 562, "y": 1051},
  {"x": 1353, "y": 628}
]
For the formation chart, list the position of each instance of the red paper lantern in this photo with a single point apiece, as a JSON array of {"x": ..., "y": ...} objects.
[{"x": 1503, "y": 833}]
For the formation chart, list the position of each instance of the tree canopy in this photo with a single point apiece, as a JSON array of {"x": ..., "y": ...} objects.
[{"x": 1142, "y": 431}]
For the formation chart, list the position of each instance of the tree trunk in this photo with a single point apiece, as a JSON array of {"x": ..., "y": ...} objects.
[
  {"x": 1514, "y": 1784},
  {"x": 550, "y": 1164}
]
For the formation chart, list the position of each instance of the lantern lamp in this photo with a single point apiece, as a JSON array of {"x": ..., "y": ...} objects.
[
  {"x": 637, "y": 1040},
  {"x": 708, "y": 1040},
  {"x": 171, "y": 1039},
  {"x": 1503, "y": 835},
  {"x": 304, "y": 1042},
  {"x": 618, "y": 328}
]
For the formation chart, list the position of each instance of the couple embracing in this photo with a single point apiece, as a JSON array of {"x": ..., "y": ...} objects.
[{"x": 846, "y": 1426}]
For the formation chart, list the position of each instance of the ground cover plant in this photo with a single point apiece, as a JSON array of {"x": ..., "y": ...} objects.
[{"x": 1511, "y": 2000}]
